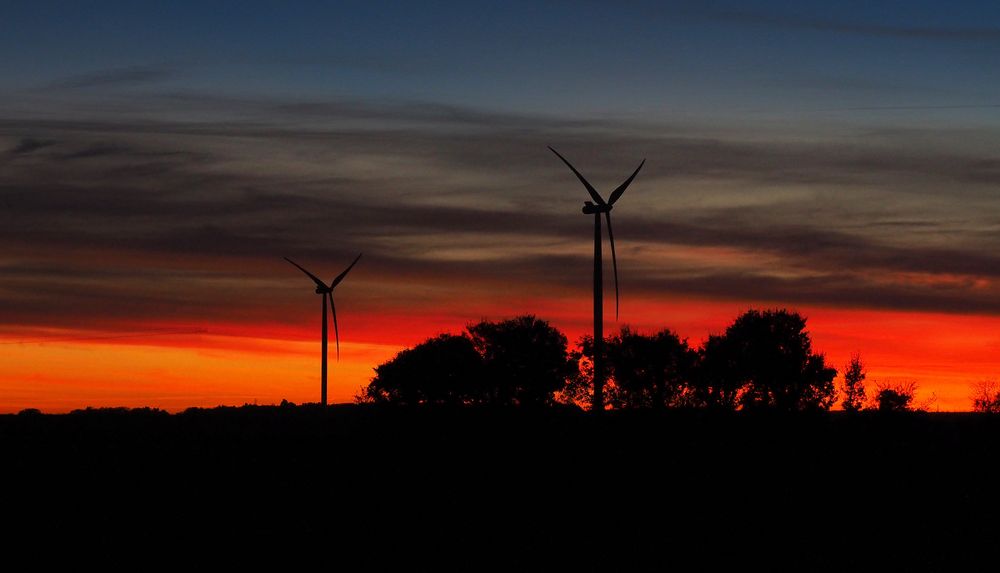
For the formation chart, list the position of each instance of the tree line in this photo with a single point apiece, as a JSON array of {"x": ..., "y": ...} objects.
[{"x": 764, "y": 360}]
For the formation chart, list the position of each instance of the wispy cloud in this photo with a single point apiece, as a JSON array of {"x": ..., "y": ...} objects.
[
  {"x": 27, "y": 145},
  {"x": 792, "y": 21},
  {"x": 134, "y": 220},
  {"x": 117, "y": 77}
]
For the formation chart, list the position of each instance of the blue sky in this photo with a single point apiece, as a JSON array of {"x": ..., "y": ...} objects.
[{"x": 658, "y": 59}]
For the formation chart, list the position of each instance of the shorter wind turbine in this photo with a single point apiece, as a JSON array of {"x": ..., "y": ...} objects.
[{"x": 327, "y": 292}]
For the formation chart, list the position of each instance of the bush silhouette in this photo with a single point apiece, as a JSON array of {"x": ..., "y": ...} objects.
[{"x": 894, "y": 397}]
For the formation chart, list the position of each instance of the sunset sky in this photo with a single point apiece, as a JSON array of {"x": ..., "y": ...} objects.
[{"x": 156, "y": 164}]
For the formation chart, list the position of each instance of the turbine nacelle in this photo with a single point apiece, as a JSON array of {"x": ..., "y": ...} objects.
[
  {"x": 323, "y": 290},
  {"x": 589, "y": 208}
]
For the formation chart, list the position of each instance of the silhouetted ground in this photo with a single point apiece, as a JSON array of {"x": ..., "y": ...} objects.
[{"x": 481, "y": 489}]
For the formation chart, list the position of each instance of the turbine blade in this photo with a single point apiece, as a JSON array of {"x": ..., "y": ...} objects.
[
  {"x": 614, "y": 258},
  {"x": 336, "y": 329},
  {"x": 621, "y": 188},
  {"x": 309, "y": 274},
  {"x": 590, "y": 188},
  {"x": 341, "y": 276}
]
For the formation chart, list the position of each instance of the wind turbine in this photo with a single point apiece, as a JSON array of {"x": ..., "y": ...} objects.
[
  {"x": 596, "y": 208},
  {"x": 327, "y": 292}
]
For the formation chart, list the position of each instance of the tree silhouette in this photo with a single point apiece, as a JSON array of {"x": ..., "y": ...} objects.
[
  {"x": 649, "y": 371},
  {"x": 579, "y": 388},
  {"x": 765, "y": 360},
  {"x": 525, "y": 359},
  {"x": 643, "y": 371},
  {"x": 716, "y": 380},
  {"x": 521, "y": 361},
  {"x": 854, "y": 384},
  {"x": 446, "y": 369},
  {"x": 986, "y": 397}
]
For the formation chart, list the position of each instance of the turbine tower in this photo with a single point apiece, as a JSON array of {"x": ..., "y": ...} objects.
[
  {"x": 596, "y": 208},
  {"x": 327, "y": 292}
]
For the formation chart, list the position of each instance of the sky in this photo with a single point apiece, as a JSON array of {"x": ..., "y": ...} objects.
[{"x": 157, "y": 162}]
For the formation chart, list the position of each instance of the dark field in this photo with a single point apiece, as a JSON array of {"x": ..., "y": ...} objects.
[{"x": 476, "y": 489}]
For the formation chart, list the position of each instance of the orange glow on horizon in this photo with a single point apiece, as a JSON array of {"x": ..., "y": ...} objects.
[
  {"x": 238, "y": 364},
  {"x": 220, "y": 370}
]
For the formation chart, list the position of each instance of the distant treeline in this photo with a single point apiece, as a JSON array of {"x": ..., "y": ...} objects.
[{"x": 763, "y": 361}]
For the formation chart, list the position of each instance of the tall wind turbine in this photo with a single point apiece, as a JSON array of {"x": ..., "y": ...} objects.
[
  {"x": 327, "y": 292},
  {"x": 596, "y": 208}
]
